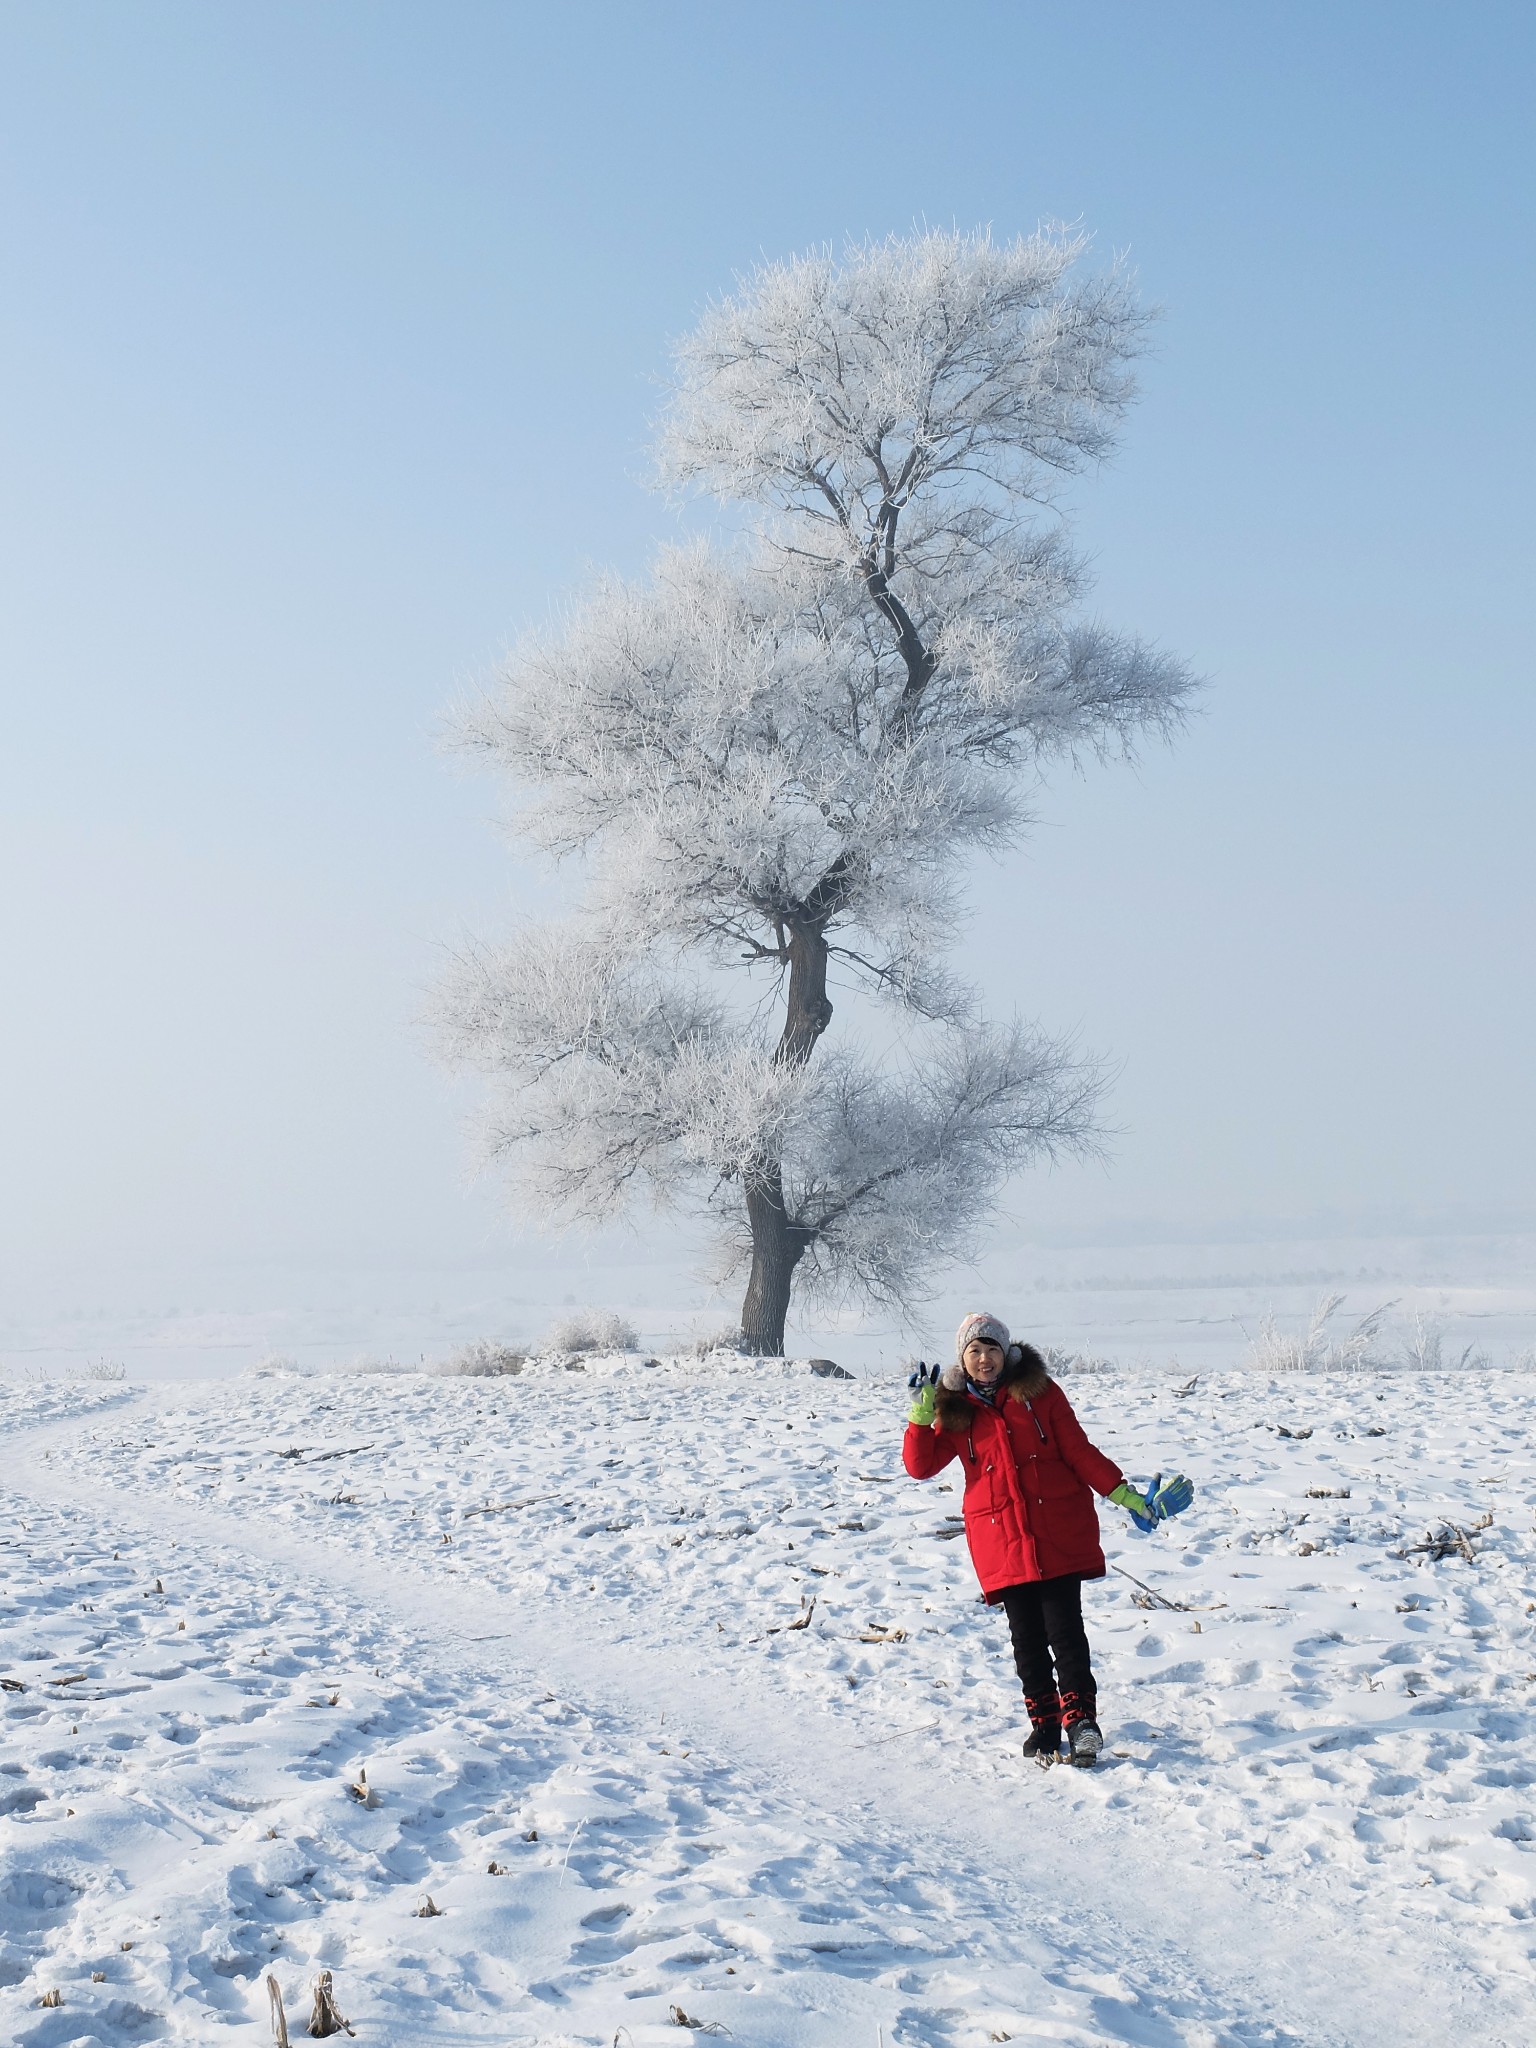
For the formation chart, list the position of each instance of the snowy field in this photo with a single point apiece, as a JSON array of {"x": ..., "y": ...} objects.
[{"x": 674, "y": 1697}]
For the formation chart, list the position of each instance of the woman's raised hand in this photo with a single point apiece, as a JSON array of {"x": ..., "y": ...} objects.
[{"x": 924, "y": 1384}]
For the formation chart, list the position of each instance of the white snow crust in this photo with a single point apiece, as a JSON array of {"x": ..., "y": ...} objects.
[{"x": 552, "y": 1618}]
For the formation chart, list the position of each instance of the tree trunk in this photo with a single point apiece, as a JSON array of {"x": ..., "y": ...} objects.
[
  {"x": 776, "y": 1242},
  {"x": 776, "y": 1249},
  {"x": 807, "y": 1010}
]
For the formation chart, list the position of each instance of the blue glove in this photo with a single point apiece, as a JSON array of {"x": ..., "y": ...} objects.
[
  {"x": 1171, "y": 1499},
  {"x": 924, "y": 1384},
  {"x": 1157, "y": 1503}
]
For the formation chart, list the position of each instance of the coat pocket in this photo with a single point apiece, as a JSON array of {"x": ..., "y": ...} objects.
[
  {"x": 987, "y": 1493},
  {"x": 1050, "y": 1480}
]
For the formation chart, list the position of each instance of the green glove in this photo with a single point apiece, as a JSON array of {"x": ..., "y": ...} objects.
[
  {"x": 1126, "y": 1496},
  {"x": 925, "y": 1391}
]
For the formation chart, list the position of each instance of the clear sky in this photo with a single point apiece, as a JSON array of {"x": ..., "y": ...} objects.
[{"x": 328, "y": 338}]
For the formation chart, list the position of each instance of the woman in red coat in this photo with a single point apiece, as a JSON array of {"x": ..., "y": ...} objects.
[{"x": 1030, "y": 1519}]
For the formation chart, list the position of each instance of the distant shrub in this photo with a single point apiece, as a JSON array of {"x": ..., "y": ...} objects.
[
  {"x": 1060, "y": 1363},
  {"x": 485, "y": 1359},
  {"x": 1423, "y": 1349},
  {"x": 105, "y": 1369},
  {"x": 1318, "y": 1349},
  {"x": 592, "y": 1329},
  {"x": 275, "y": 1365}
]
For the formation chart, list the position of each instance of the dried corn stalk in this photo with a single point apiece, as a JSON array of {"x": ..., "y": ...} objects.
[
  {"x": 324, "y": 2018},
  {"x": 279, "y": 2017}
]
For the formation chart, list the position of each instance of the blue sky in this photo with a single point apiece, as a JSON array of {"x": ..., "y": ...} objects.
[{"x": 328, "y": 339}]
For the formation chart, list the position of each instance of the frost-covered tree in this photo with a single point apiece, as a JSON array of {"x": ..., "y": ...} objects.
[{"x": 775, "y": 757}]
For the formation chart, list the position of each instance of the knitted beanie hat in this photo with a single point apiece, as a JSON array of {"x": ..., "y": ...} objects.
[{"x": 980, "y": 1329}]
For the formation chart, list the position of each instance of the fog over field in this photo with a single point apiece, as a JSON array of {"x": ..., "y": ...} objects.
[{"x": 1202, "y": 1305}]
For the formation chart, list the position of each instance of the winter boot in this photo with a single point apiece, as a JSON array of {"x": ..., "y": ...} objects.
[
  {"x": 1084, "y": 1740},
  {"x": 1084, "y": 1743},
  {"x": 1044, "y": 1743}
]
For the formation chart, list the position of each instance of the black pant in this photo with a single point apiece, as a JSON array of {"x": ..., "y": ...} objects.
[{"x": 1050, "y": 1648}]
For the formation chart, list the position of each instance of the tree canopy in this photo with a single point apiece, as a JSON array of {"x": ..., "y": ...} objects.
[{"x": 774, "y": 756}]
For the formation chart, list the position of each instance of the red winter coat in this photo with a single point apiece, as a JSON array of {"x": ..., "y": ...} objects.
[{"x": 1030, "y": 1476}]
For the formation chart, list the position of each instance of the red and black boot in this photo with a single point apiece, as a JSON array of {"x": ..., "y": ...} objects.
[
  {"x": 1084, "y": 1741},
  {"x": 1044, "y": 1743}
]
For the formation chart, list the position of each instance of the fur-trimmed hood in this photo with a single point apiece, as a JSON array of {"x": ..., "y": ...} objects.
[{"x": 1023, "y": 1377}]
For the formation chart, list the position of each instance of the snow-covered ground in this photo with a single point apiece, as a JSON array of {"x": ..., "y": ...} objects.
[{"x": 676, "y": 1698}]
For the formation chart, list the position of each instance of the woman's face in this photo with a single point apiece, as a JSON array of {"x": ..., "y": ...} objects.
[{"x": 983, "y": 1362}]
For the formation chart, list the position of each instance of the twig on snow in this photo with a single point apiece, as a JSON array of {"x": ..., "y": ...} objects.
[
  {"x": 782, "y": 1628},
  {"x": 500, "y": 1507},
  {"x": 1151, "y": 1592},
  {"x": 1446, "y": 1541},
  {"x": 900, "y": 1735},
  {"x": 279, "y": 2017}
]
